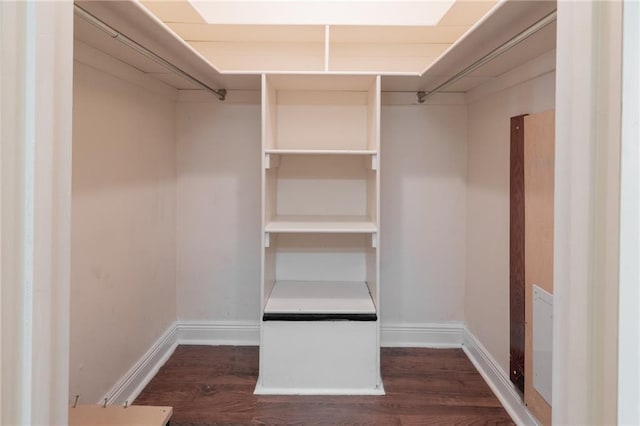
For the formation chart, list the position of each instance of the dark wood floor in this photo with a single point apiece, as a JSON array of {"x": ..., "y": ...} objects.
[{"x": 208, "y": 385}]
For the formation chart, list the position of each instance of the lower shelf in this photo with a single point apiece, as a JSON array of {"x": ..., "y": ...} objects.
[{"x": 320, "y": 301}]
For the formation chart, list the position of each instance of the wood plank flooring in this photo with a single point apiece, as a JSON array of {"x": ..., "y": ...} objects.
[{"x": 210, "y": 385}]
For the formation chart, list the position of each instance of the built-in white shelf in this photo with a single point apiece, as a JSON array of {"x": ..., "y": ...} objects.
[
  {"x": 320, "y": 297},
  {"x": 321, "y": 151},
  {"x": 321, "y": 224},
  {"x": 320, "y": 208}
]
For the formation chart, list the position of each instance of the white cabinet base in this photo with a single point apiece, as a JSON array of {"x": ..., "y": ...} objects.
[{"x": 319, "y": 358}]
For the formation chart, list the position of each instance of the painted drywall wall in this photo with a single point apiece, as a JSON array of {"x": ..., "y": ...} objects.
[
  {"x": 423, "y": 213},
  {"x": 487, "y": 283},
  {"x": 123, "y": 280},
  {"x": 423, "y": 207},
  {"x": 218, "y": 209}
]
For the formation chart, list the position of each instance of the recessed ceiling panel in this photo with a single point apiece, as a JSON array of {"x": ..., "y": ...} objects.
[{"x": 322, "y": 12}]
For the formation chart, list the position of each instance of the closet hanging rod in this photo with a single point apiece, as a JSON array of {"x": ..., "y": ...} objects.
[
  {"x": 523, "y": 35},
  {"x": 220, "y": 93}
]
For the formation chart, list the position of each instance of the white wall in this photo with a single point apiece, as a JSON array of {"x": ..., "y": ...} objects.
[
  {"x": 123, "y": 280},
  {"x": 218, "y": 209},
  {"x": 423, "y": 211},
  {"x": 423, "y": 208},
  {"x": 488, "y": 163}
]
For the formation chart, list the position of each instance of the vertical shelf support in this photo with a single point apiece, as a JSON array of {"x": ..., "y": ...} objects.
[
  {"x": 271, "y": 161},
  {"x": 267, "y": 240},
  {"x": 327, "y": 40}
]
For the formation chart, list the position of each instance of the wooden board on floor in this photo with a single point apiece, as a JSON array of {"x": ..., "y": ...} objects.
[
  {"x": 113, "y": 415},
  {"x": 539, "y": 153}
]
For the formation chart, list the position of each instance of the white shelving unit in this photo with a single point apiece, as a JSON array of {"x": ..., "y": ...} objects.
[
  {"x": 320, "y": 151},
  {"x": 320, "y": 293}
]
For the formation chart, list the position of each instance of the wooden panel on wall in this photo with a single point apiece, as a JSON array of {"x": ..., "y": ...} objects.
[
  {"x": 539, "y": 156},
  {"x": 517, "y": 255}
]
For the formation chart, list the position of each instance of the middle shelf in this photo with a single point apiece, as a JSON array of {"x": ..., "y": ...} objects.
[{"x": 321, "y": 224}]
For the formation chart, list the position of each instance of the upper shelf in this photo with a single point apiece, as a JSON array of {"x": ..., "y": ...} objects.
[
  {"x": 409, "y": 58},
  {"x": 279, "y": 151},
  {"x": 321, "y": 224},
  {"x": 371, "y": 41},
  {"x": 133, "y": 19},
  {"x": 504, "y": 22}
]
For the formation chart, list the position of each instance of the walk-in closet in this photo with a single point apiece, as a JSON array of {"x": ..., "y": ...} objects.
[{"x": 276, "y": 208}]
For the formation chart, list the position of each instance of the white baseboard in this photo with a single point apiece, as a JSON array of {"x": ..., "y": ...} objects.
[
  {"x": 426, "y": 335},
  {"x": 131, "y": 384},
  {"x": 497, "y": 380},
  {"x": 247, "y": 333},
  {"x": 237, "y": 333}
]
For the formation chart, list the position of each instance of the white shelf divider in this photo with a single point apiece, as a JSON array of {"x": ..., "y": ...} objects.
[
  {"x": 320, "y": 297},
  {"x": 321, "y": 224}
]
